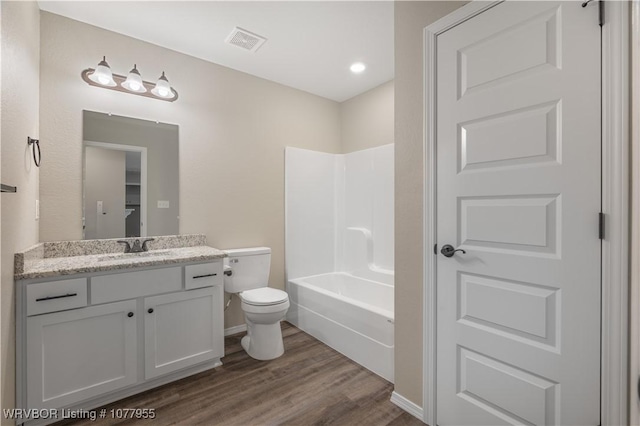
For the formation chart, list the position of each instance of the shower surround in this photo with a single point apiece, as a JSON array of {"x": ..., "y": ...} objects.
[{"x": 339, "y": 251}]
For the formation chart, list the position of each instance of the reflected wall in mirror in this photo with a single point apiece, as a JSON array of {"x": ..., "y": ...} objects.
[{"x": 130, "y": 177}]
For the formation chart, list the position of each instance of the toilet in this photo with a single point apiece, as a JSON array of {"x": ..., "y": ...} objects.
[{"x": 247, "y": 275}]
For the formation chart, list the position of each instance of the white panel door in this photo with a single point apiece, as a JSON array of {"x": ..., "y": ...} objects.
[
  {"x": 183, "y": 329},
  {"x": 518, "y": 188},
  {"x": 78, "y": 354}
]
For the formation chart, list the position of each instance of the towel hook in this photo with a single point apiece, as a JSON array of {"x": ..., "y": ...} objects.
[{"x": 35, "y": 143}]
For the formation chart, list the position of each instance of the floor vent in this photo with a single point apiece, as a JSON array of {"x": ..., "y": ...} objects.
[{"x": 245, "y": 39}]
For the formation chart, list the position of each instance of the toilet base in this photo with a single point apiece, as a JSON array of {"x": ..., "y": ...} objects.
[{"x": 263, "y": 341}]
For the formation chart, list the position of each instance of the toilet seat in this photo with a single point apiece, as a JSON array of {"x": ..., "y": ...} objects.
[{"x": 264, "y": 296}]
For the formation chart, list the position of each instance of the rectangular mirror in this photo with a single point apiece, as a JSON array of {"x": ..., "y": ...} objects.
[{"x": 130, "y": 177}]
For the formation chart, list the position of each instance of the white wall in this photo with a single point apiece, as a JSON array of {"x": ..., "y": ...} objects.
[
  {"x": 339, "y": 213},
  {"x": 20, "y": 34}
]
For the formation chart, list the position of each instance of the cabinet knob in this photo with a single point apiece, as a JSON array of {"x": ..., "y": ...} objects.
[
  {"x": 130, "y": 314},
  {"x": 150, "y": 310}
]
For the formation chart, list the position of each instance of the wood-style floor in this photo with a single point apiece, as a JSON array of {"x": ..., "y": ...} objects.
[{"x": 311, "y": 384}]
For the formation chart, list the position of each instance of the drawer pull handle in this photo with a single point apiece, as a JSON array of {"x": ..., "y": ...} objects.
[
  {"x": 150, "y": 310},
  {"x": 62, "y": 296},
  {"x": 130, "y": 314},
  {"x": 204, "y": 276}
]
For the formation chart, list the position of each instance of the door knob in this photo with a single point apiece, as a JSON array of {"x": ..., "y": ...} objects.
[{"x": 448, "y": 250}]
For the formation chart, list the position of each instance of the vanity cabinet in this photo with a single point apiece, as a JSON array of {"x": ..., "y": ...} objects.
[
  {"x": 95, "y": 338},
  {"x": 82, "y": 353},
  {"x": 182, "y": 329}
]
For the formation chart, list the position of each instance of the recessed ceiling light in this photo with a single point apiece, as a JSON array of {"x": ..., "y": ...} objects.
[{"x": 358, "y": 67}]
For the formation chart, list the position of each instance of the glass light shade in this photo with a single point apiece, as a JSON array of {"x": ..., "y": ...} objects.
[
  {"x": 162, "y": 88},
  {"x": 102, "y": 74},
  {"x": 133, "y": 82}
]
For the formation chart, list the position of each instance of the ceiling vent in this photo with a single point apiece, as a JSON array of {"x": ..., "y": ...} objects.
[{"x": 245, "y": 39}]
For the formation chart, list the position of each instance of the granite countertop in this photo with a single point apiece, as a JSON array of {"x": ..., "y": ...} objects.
[{"x": 53, "y": 259}]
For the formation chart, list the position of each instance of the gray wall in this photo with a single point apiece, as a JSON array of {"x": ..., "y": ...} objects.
[
  {"x": 410, "y": 19},
  {"x": 161, "y": 141},
  {"x": 20, "y": 34},
  {"x": 366, "y": 120}
]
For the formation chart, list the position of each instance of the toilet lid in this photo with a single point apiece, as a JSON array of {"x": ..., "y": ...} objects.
[{"x": 264, "y": 296}]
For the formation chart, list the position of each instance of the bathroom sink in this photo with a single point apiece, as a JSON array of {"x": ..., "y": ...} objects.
[{"x": 122, "y": 256}]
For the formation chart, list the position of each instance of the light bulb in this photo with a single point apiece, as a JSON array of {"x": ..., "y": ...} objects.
[{"x": 358, "y": 67}]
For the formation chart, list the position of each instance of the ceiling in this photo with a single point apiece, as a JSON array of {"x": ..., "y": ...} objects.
[{"x": 310, "y": 44}]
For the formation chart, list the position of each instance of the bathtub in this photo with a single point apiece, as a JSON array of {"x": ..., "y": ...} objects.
[{"x": 352, "y": 315}]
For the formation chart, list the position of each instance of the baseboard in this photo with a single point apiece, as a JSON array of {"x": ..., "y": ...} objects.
[
  {"x": 233, "y": 330},
  {"x": 407, "y": 406}
]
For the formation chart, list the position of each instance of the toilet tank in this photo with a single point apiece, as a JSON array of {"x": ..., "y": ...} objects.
[{"x": 249, "y": 269}]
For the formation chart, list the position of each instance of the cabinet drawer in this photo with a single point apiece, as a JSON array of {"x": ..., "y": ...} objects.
[
  {"x": 203, "y": 275},
  {"x": 129, "y": 285},
  {"x": 56, "y": 296}
]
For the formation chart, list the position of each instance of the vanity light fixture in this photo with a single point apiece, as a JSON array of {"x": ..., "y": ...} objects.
[{"x": 133, "y": 83}]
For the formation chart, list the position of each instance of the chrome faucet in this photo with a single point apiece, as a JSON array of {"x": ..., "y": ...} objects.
[{"x": 137, "y": 246}]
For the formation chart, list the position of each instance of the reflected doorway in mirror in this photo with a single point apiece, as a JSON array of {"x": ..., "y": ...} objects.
[{"x": 115, "y": 190}]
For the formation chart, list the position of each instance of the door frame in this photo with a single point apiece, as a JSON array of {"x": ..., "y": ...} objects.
[
  {"x": 614, "y": 401},
  {"x": 634, "y": 353},
  {"x": 143, "y": 177}
]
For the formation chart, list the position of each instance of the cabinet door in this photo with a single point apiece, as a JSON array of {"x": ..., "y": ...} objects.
[
  {"x": 78, "y": 354},
  {"x": 182, "y": 329}
]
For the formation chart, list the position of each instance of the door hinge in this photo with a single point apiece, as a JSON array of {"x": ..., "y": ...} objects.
[
  {"x": 600, "y": 10},
  {"x": 435, "y": 249},
  {"x": 601, "y": 225}
]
